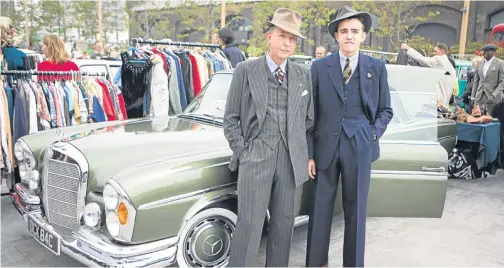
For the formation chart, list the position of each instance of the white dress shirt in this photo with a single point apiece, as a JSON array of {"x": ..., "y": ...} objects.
[
  {"x": 486, "y": 66},
  {"x": 354, "y": 60}
]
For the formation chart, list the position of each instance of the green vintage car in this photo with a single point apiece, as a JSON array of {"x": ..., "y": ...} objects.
[{"x": 158, "y": 191}]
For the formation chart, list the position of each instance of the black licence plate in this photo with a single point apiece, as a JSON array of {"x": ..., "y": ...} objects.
[{"x": 48, "y": 239}]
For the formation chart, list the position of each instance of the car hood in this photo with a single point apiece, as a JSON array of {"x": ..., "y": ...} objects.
[{"x": 114, "y": 151}]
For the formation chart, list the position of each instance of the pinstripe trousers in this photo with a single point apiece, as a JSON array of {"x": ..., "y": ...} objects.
[{"x": 265, "y": 179}]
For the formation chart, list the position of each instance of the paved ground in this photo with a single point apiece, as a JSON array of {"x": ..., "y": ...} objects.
[{"x": 471, "y": 233}]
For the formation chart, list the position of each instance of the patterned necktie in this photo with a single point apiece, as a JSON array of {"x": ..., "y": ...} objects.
[
  {"x": 279, "y": 75},
  {"x": 347, "y": 72}
]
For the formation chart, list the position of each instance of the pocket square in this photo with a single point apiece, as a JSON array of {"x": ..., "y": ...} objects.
[{"x": 305, "y": 92}]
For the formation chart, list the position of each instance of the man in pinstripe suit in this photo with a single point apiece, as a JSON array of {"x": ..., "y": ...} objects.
[{"x": 268, "y": 111}]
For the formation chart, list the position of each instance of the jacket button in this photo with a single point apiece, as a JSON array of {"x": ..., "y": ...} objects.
[{"x": 336, "y": 134}]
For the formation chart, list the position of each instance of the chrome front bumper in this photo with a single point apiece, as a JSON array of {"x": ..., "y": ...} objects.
[{"x": 92, "y": 249}]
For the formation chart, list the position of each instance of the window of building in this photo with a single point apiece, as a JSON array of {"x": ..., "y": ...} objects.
[{"x": 496, "y": 18}]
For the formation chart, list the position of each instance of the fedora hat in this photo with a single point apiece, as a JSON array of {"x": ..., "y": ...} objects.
[
  {"x": 288, "y": 20},
  {"x": 347, "y": 12}
]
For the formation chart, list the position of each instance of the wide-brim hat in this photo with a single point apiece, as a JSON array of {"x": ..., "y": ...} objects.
[
  {"x": 347, "y": 12},
  {"x": 288, "y": 20}
]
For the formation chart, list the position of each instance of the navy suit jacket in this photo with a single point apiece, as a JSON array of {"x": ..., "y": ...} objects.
[{"x": 328, "y": 103}]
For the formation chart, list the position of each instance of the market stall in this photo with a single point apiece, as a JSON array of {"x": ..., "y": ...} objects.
[{"x": 479, "y": 149}]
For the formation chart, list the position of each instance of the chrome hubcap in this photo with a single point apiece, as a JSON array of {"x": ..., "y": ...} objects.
[{"x": 208, "y": 242}]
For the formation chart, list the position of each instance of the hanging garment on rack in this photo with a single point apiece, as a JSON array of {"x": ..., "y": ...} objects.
[
  {"x": 135, "y": 79},
  {"x": 47, "y": 104},
  {"x": 57, "y": 67}
]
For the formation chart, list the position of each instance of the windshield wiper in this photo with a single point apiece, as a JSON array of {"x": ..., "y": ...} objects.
[{"x": 206, "y": 118}]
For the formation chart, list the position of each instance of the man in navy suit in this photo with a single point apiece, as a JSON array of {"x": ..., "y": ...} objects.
[{"x": 352, "y": 111}]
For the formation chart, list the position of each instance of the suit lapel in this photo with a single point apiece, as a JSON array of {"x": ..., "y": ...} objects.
[
  {"x": 259, "y": 87},
  {"x": 294, "y": 86},
  {"x": 365, "y": 79},
  {"x": 336, "y": 74}
]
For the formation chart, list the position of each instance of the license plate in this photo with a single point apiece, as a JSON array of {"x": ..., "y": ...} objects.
[{"x": 48, "y": 239}]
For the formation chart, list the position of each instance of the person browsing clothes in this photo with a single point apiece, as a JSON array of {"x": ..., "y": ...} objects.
[
  {"x": 352, "y": 111},
  {"x": 232, "y": 52},
  {"x": 57, "y": 58},
  {"x": 269, "y": 108}
]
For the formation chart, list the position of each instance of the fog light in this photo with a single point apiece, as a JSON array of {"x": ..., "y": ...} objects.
[
  {"x": 112, "y": 224},
  {"x": 92, "y": 214},
  {"x": 33, "y": 179}
]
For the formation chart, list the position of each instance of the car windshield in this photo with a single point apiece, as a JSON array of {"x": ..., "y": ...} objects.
[
  {"x": 212, "y": 99},
  {"x": 413, "y": 99}
]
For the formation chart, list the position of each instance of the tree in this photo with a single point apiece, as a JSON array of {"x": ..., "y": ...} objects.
[
  {"x": 315, "y": 14},
  {"x": 15, "y": 10},
  {"x": 53, "y": 16},
  {"x": 85, "y": 23},
  {"x": 148, "y": 19},
  {"x": 200, "y": 16},
  {"x": 396, "y": 19}
]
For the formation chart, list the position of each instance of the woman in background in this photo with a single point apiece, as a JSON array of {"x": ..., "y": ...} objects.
[{"x": 57, "y": 58}]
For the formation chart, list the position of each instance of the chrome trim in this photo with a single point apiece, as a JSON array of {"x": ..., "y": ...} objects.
[
  {"x": 25, "y": 195},
  {"x": 94, "y": 249},
  {"x": 408, "y": 173},
  {"x": 436, "y": 169},
  {"x": 71, "y": 153},
  {"x": 301, "y": 220},
  {"x": 414, "y": 142},
  {"x": 183, "y": 196},
  {"x": 125, "y": 231}
]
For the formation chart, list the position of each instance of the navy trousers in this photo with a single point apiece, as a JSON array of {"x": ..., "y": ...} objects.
[{"x": 351, "y": 160}]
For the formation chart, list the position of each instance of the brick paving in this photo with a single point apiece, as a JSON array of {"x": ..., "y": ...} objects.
[{"x": 471, "y": 233}]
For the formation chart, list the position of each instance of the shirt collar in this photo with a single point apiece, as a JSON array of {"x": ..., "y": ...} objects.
[
  {"x": 353, "y": 58},
  {"x": 272, "y": 65},
  {"x": 489, "y": 61}
]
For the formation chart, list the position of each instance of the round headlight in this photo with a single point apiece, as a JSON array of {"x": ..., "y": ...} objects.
[
  {"x": 112, "y": 224},
  {"x": 92, "y": 214},
  {"x": 110, "y": 197},
  {"x": 18, "y": 151}
]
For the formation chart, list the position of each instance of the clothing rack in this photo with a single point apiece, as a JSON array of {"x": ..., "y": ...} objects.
[
  {"x": 135, "y": 41},
  {"x": 52, "y": 73}
]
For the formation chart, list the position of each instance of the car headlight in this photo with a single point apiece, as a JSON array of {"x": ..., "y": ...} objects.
[
  {"x": 110, "y": 197},
  {"x": 92, "y": 214},
  {"x": 27, "y": 165},
  {"x": 120, "y": 212}
]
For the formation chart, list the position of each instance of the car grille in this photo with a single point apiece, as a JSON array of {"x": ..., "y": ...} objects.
[{"x": 62, "y": 193}]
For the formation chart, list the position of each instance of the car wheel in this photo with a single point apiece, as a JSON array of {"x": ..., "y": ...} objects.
[{"x": 205, "y": 240}]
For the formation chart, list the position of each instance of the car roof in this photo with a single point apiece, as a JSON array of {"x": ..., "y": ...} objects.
[{"x": 97, "y": 62}]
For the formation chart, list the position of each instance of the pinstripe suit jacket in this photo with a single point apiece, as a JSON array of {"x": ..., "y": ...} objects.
[{"x": 246, "y": 109}]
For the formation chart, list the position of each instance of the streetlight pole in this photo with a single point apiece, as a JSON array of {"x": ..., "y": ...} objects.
[
  {"x": 223, "y": 14},
  {"x": 463, "y": 28}
]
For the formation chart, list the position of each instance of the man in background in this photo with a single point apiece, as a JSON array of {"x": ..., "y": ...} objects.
[
  {"x": 232, "y": 52},
  {"x": 440, "y": 61},
  {"x": 99, "y": 52},
  {"x": 488, "y": 86},
  {"x": 320, "y": 52}
]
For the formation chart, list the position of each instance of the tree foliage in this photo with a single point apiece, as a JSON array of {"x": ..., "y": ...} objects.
[
  {"x": 396, "y": 19},
  {"x": 53, "y": 17},
  {"x": 15, "y": 10},
  {"x": 198, "y": 16},
  {"x": 314, "y": 13}
]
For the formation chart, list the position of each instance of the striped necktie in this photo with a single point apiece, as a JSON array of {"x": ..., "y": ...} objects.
[
  {"x": 347, "y": 71},
  {"x": 279, "y": 75}
]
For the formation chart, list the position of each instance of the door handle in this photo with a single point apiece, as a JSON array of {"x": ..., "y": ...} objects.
[{"x": 437, "y": 169}]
